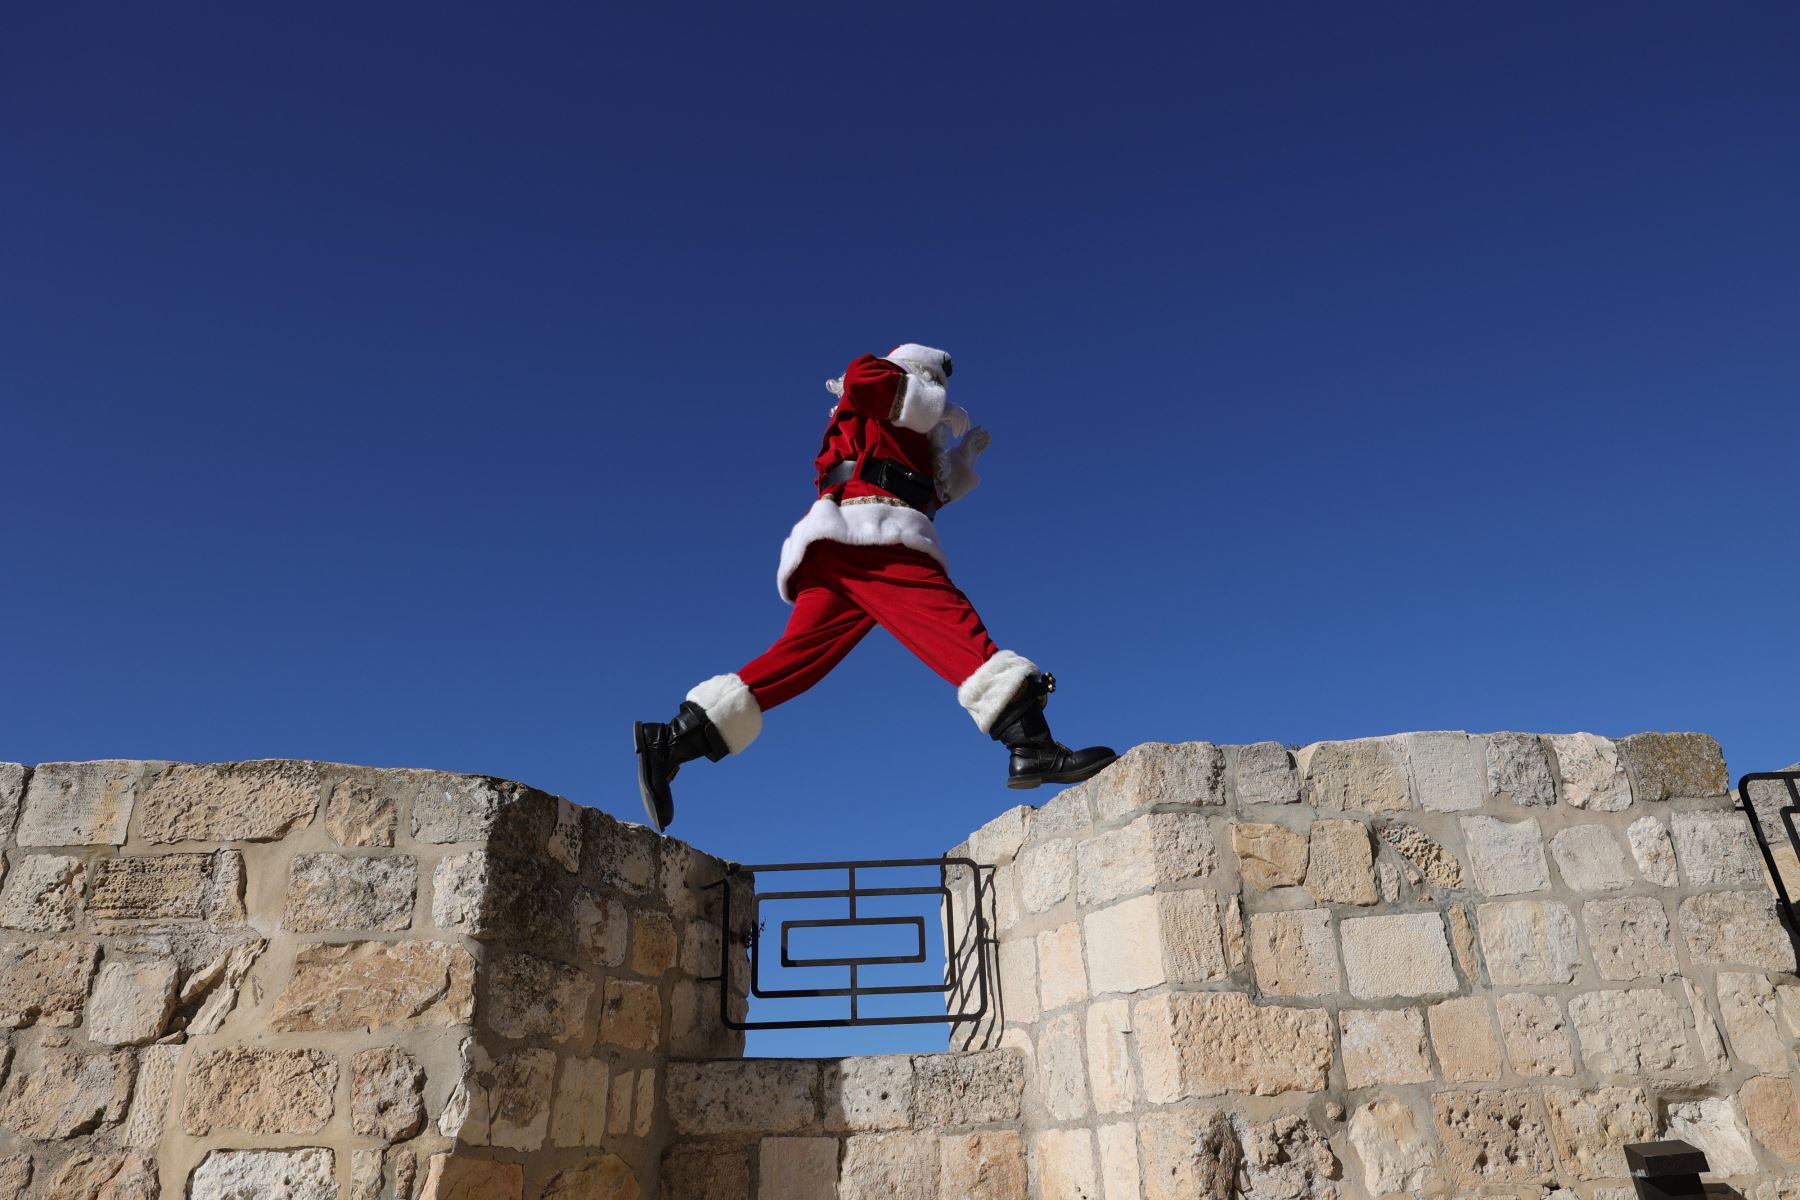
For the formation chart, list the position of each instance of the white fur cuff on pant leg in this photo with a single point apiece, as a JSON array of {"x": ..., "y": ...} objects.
[
  {"x": 730, "y": 706},
  {"x": 986, "y": 693}
]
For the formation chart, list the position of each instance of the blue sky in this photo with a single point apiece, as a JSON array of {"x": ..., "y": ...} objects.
[{"x": 433, "y": 385}]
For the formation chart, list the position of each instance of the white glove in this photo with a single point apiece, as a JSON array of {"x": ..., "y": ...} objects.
[
  {"x": 961, "y": 459},
  {"x": 957, "y": 417}
]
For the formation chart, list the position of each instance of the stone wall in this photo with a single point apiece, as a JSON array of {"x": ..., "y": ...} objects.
[
  {"x": 295, "y": 979},
  {"x": 1431, "y": 964}
]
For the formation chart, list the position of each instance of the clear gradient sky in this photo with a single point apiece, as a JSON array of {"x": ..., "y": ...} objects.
[{"x": 432, "y": 385}]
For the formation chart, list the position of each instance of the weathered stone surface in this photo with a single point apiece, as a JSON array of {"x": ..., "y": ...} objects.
[
  {"x": 1787, "y": 998},
  {"x": 1528, "y": 942},
  {"x": 1590, "y": 859},
  {"x": 1427, "y": 856},
  {"x": 42, "y": 893},
  {"x": 228, "y": 802},
  {"x": 1061, "y": 1079},
  {"x": 44, "y": 983},
  {"x": 259, "y": 1091},
  {"x": 309, "y": 1174},
  {"x": 1124, "y": 946},
  {"x": 1632, "y": 1031},
  {"x": 1264, "y": 773},
  {"x": 1462, "y": 940},
  {"x": 652, "y": 943},
  {"x": 104, "y": 1175},
  {"x": 1654, "y": 853},
  {"x": 1018, "y": 980},
  {"x": 889, "y": 1166},
  {"x": 563, "y": 846},
  {"x": 1592, "y": 775},
  {"x": 1772, "y": 1109},
  {"x": 165, "y": 887},
  {"x": 156, "y": 1073},
  {"x": 386, "y": 1094},
  {"x": 529, "y": 996},
  {"x": 705, "y": 1172},
  {"x": 1384, "y": 1046},
  {"x": 359, "y": 814},
  {"x": 1493, "y": 1136},
  {"x": 507, "y": 895},
  {"x": 339, "y": 891},
  {"x": 1395, "y": 1151},
  {"x": 66, "y": 1094},
  {"x": 1001, "y": 838},
  {"x": 1715, "y": 1127},
  {"x": 1064, "y": 814},
  {"x": 1462, "y": 1031},
  {"x": 1365, "y": 775},
  {"x": 1709, "y": 1043},
  {"x": 1156, "y": 774},
  {"x": 616, "y": 854},
  {"x": 132, "y": 1000},
  {"x": 1449, "y": 770},
  {"x": 1737, "y": 928},
  {"x": 1629, "y": 938},
  {"x": 1518, "y": 769},
  {"x": 1506, "y": 857},
  {"x": 1119, "y": 1174},
  {"x": 15, "y": 1174},
  {"x": 985, "y": 1166},
  {"x": 1715, "y": 850},
  {"x": 1062, "y": 979},
  {"x": 1590, "y": 1127},
  {"x": 1196, "y": 936},
  {"x": 1155, "y": 850},
  {"x": 1066, "y": 1169},
  {"x": 78, "y": 804},
  {"x": 519, "y": 1099},
  {"x": 805, "y": 1168},
  {"x": 1046, "y": 874},
  {"x": 868, "y": 1094},
  {"x": 372, "y": 985},
  {"x": 578, "y": 1111},
  {"x": 1269, "y": 856},
  {"x": 1285, "y": 1158},
  {"x": 1669, "y": 766},
  {"x": 1112, "y": 1075},
  {"x": 1401, "y": 955},
  {"x": 601, "y": 928},
  {"x": 630, "y": 1017},
  {"x": 609, "y": 1178},
  {"x": 1188, "y": 1154},
  {"x": 755, "y": 1095},
  {"x": 980, "y": 1088},
  {"x": 457, "y": 808},
  {"x": 1209, "y": 1043},
  {"x": 1294, "y": 953},
  {"x": 1536, "y": 1034},
  {"x": 211, "y": 992},
  {"x": 1747, "y": 1002},
  {"x": 1341, "y": 866},
  {"x": 12, "y": 794}
]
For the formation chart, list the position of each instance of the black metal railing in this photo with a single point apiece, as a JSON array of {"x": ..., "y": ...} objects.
[
  {"x": 964, "y": 975},
  {"x": 1783, "y": 784}
]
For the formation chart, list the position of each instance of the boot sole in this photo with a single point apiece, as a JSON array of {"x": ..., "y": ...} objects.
[
  {"x": 637, "y": 746},
  {"x": 1026, "y": 782}
]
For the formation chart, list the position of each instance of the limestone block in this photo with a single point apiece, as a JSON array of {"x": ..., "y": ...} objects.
[
  {"x": 1429, "y": 858},
  {"x": 1493, "y": 1136},
  {"x": 1065, "y": 1165},
  {"x": 456, "y": 808},
  {"x": 340, "y": 891},
  {"x": 386, "y": 1094},
  {"x": 1018, "y": 996},
  {"x": 1156, "y": 774},
  {"x": 1772, "y": 1109},
  {"x": 166, "y": 887},
  {"x": 1209, "y": 1043},
  {"x": 1462, "y": 1031},
  {"x": 1264, "y": 774},
  {"x": 1286, "y": 1157},
  {"x": 371, "y": 985},
  {"x": 259, "y": 1091},
  {"x": 1787, "y": 997},
  {"x": 1715, "y": 850},
  {"x": 1119, "y": 1175},
  {"x": 1341, "y": 867},
  {"x": 1589, "y": 1128},
  {"x": 228, "y": 802},
  {"x": 1046, "y": 874},
  {"x": 1365, "y": 775},
  {"x": 601, "y": 928},
  {"x": 631, "y": 1016},
  {"x": 211, "y": 992},
  {"x": 1590, "y": 859},
  {"x": 652, "y": 943},
  {"x": 106, "y": 1175},
  {"x": 1709, "y": 1043},
  {"x": 1737, "y": 928},
  {"x": 1715, "y": 1127},
  {"x": 1188, "y": 1154},
  {"x": 1536, "y": 1034},
  {"x": 1629, "y": 938},
  {"x": 1387, "y": 879},
  {"x": 1269, "y": 856},
  {"x": 156, "y": 1073},
  {"x": 1592, "y": 775},
  {"x": 132, "y": 1000},
  {"x": 1401, "y": 955},
  {"x": 42, "y": 893},
  {"x": 1518, "y": 769},
  {"x": 868, "y": 1094},
  {"x": 1061, "y": 1079},
  {"x": 78, "y": 804},
  {"x": 1670, "y": 766},
  {"x": 804, "y": 1168},
  {"x": 67, "y": 1093},
  {"x": 753, "y": 1095},
  {"x": 503, "y": 895},
  {"x": 578, "y": 1109},
  {"x": 889, "y": 1166},
  {"x": 618, "y": 1104},
  {"x": 1294, "y": 953},
  {"x": 519, "y": 1099},
  {"x": 1747, "y": 1002},
  {"x": 1231, "y": 924},
  {"x": 1528, "y": 942},
  {"x": 1384, "y": 1046},
  {"x": 983, "y": 1166},
  {"x": 1506, "y": 857},
  {"x": 1462, "y": 940},
  {"x": 15, "y": 1174},
  {"x": 1394, "y": 1148},
  {"x": 563, "y": 846},
  {"x": 359, "y": 814},
  {"x": 1632, "y": 1031},
  {"x": 309, "y": 1174},
  {"x": 619, "y": 855},
  {"x": 706, "y": 1172},
  {"x": 1113, "y": 1077},
  {"x": 1448, "y": 769},
  {"x": 1124, "y": 946},
  {"x": 1155, "y": 850},
  {"x": 1001, "y": 838},
  {"x": 1654, "y": 853},
  {"x": 1196, "y": 936},
  {"x": 982, "y": 1087},
  {"x": 44, "y": 983},
  {"x": 12, "y": 794},
  {"x": 1061, "y": 977}
]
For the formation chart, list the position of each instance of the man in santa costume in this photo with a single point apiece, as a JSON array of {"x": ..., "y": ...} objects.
[{"x": 867, "y": 554}]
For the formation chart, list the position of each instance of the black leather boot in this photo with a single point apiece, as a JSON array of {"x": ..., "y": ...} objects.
[
  {"x": 661, "y": 749},
  {"x": 1036, "y": 756}
]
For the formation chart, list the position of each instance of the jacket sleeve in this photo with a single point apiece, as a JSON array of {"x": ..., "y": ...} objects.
[{"x": 875, "y": 387}]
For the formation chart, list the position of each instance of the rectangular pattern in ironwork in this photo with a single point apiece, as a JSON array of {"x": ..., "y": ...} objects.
[{"x": 1780, "y": 792}]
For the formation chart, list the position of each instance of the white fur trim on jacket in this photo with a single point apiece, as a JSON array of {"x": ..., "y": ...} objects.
[
  {"x": 731, "y": 707},
  {"x": 986, "y": 693},
  {"x": 855, "y": 525},
  {"x": 921, "y": 403}
]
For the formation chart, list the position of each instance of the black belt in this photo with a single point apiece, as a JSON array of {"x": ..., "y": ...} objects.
[{"x": 895, "y": 478}]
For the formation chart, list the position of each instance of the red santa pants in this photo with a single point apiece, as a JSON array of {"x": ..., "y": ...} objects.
[{"x": 841, "y": 592}]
